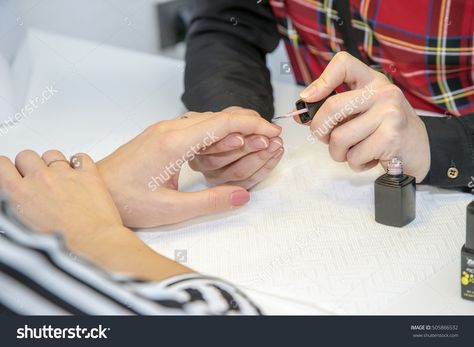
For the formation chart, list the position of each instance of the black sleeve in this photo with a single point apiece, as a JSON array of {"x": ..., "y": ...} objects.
[
  {"x": 451, "y": 146},
  {"x": 225, "y": 58}
]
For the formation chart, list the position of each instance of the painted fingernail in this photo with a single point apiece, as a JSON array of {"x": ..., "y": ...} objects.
[
  {"x": 234, "y": 141},
  {"x": 259, "y": 143},
  {"x": 239, "y": 197},
  {"x": 274, "y": 145},
  {"x": 308, "y": 92}
]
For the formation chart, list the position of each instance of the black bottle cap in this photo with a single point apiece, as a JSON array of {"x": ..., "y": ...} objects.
[
  {"x": 470, "y": 226},
  {"x": 312, "y": 107}
]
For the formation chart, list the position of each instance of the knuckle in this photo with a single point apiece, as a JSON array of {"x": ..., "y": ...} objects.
[
  {"x": 380, "y": 78},
  {"x": 42, "y": 175},
  {"x": 330, "y": 105},
  {"x": 353, "y": 160},
  {"x": 159, "y": 127},
  {"x": 224, "y": 116},
  {"x": 392, "y": 112},
  {"x": 337, "y": 137},
  {"x": 355, "y": 167},
  {"x": 167, "y": 141},
  {"x": 211, "y": 162},
  {"x": 251, "y": 112},
  {"x": 11, "y": 186},
  {"x": 351, "y": 157},
  {"x": 212, "y": 200},
  {"x": 264, "y": 155},
  {"x": 332, "y": 153},
  {"x": 342, "y": 56},
  {"x": 391, "y": 140},
  {"x": 392, "y": 92},
  {"x": 239, "y": 174}
]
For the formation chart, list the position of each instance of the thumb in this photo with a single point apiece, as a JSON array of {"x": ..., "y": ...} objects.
[
  {"x": 343, "y": 68},
  {"x": 212, "y": 200}
]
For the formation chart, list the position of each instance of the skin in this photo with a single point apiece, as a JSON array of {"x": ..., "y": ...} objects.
[
  {"x": 77, "y": 202},
  {"x": 379, "y": 128},
  {"x": 239, "y": 159},
  {"x": 128, "y": 172},
  {"x": 89, "y": 203}
]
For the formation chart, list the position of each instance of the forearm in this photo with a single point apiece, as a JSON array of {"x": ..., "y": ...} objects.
[
  {"x": 225, "y": 60},
  {"x": 118, "y": 249}
]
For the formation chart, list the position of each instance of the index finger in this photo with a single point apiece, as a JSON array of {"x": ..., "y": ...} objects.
[
  {"x": 229, "y": 143},
  {"x": 343, "y": 68},
  {"x": 208, "y": 132}
]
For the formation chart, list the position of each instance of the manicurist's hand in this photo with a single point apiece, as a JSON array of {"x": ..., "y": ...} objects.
[
  {"x": 143, "y": 174},
  {"x": 51, "y": 196},
  {"x": 237, "y": 159},
  {"x": 369, "y": 124}
]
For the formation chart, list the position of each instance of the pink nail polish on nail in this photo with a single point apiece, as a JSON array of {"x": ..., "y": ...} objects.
[{"x": 239, "y": 197}]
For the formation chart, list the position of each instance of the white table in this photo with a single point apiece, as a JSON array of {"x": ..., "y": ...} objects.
[{"x": 305, "y": 244}]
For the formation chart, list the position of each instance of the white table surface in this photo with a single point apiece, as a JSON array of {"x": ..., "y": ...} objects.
[{"x": 305, "y": 244}]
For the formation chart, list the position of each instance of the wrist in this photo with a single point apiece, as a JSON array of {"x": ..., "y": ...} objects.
[
  {"x": 426, "y": 154},
  {"x": 87, "y": 240},
  {"x": 110, "y": 175},
  {"x": 118, "y": 249}
]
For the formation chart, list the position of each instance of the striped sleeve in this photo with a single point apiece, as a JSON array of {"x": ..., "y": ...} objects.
[{"x": 39, "y": 276}]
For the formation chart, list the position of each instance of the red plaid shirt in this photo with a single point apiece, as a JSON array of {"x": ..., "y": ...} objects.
[{"x": 425, "y": 46}]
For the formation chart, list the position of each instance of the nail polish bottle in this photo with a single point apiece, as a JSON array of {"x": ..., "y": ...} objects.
[
  {"x": 395, "y": 196},
  {"x": 467, "y": 257},
  {"x": 312, "y": 108}
]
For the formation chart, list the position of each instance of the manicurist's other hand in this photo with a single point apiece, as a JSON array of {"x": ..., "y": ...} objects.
[
  {"x": 143, "y": 174},
  {"x": 370, "y": 123},
  {"x": 241, "y": 160}
]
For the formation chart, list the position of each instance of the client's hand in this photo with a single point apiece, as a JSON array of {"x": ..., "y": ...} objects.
[
  {"x": 52, "y": 196},
  {"x": 143, "y": 174},
  {"x": 237, "y": 159}
]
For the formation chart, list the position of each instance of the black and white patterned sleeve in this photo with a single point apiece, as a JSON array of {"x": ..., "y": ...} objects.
[{"x": 39, "y": 276}]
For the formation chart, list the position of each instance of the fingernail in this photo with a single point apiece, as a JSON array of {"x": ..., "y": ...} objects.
[
  {"x": 239, "y": 197},
  {"x": 259, "y": 143},
  {"x": 276, "y": 126},
  {"x": 279, "y": 153},
  {"x": 308, "y": 92},
  {"x": 234, "y": 141},
  {"x": 274, "y": 145}
]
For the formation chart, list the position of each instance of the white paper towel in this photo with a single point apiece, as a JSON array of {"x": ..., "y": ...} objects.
[{"x": 309, "y": 235}]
